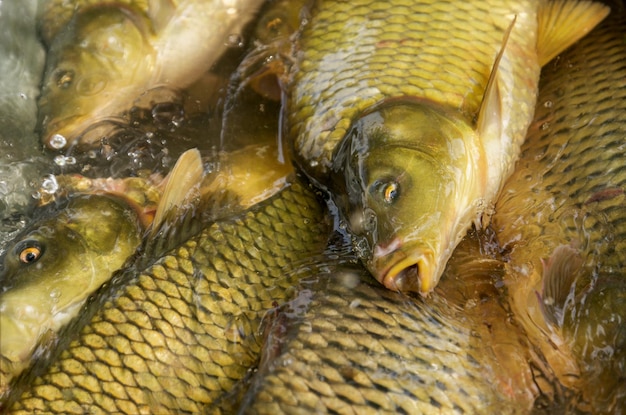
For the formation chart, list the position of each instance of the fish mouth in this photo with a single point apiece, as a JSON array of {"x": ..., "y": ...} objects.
[
  {"x": 412, "y": 272},
  {"x": 63, "y": 130},
  {"x": 76, "y": 130}
]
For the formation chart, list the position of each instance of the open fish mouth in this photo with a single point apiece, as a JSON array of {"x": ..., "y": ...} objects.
[{"x": 412, "y": 272}]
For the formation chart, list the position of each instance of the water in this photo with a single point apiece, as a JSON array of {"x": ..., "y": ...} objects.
[{"x": 21, "y": 158}]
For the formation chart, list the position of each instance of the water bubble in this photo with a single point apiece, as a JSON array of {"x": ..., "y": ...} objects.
[
  {"x": 234, "y": 40},
  {"x": 49, "y": 184},
  {"x": 64, "y": 160},
  {"x": 57, "y": 141},
  {"x": 545, "y": 126},
  {"x": 548, "y": 104},
  {"x": 313, "y": 163},
  {"x": 348, "y": 279}
]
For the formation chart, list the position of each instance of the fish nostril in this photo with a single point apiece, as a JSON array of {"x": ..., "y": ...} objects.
[{"x": 369, "y": 220}]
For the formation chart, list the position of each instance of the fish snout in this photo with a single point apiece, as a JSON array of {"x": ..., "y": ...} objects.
[
  {"x": 59, "y": 133},
  {"x": 405, "y": 271}
]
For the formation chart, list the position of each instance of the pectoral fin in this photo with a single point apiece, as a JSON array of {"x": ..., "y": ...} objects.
[
  {"x": 490, "y": 112},
  {"x": 560, "y": 273},
  {"x": 182, "y": 185},
  {"x": 562, "y": 22}
]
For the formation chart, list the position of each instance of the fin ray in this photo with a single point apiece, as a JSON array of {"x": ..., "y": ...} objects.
[
  {"x": 489, "y": 113},
  {"x": 182, "y": 185},
  {"x": 563, "y": 22},
  {"x": 560, "y": 273}
]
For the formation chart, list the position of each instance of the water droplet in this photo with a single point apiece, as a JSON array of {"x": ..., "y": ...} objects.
[
  {"x": 49, "y": 184},
  {"x": 548, "y": 104},
  {"x": 57, "y": 141},
  {"x": 348, "y": 279},
  {"x": 545, "y": 126},
  {"x": 64, "y": 160},
  {"x": 313, "y": 163},
  {"x": 234, "y": 40}
]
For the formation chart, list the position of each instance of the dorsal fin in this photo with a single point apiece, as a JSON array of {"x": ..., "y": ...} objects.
[
  {"x": 560, "y": 23},
  {"x": 560, "y": 272},
  {"x": 183, "y": 222},
  {"x": 489, "y": 113},
  {"x": 182, "y": 185}
]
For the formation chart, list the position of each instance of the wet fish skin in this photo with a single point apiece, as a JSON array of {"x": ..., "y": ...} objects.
[
  {"x": 344, "y": 344},
  {"x": 84, "y": 232},
  {"x": 474, "y": 65},
  {"x": 179, "y": 334},
  {"x": 561, "y": 217},
  {"x": 53, "y": 265},
  {"x": 110, "y": 54}
]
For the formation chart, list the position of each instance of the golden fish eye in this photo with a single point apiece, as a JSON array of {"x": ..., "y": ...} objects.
[
  {"x": 391, "y": 192},
  {"x": 30, "y": 254}
]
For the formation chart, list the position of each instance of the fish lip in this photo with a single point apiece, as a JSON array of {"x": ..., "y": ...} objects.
[{"x": 407, "y": 272}]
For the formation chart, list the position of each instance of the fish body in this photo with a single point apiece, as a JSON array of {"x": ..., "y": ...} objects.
[
  {"x": 52, "y": 267},
  {"x": 345, "y": 344},
  {"x": 561, "y": 219},
  {"x": 110, "y": 54},
  {"x": 174, "y": 335},
  {"x": 83, "y": 233},
  {"x": 415, "y": 112}
]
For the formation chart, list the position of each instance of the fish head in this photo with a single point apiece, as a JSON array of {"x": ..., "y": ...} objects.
[
  {"x": 52, "y": 266},
  {"x": 85, "y": 72},
  {"x": 399, "y": 173}
]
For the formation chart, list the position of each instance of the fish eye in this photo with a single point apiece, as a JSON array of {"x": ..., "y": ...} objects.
[
  {"x": 391, "y": 192},
  {"x": 387, "y": 190},
  {"x": 64, "y": 78},
  {"x": 29, "y": 252}
]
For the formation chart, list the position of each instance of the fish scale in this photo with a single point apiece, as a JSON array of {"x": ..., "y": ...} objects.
[
  {"x": 178, "y": 335},
  {"x": 359, "y": 53},
  {"x": 561, "y": 216},
  {"x": 346, "y": 345}
]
